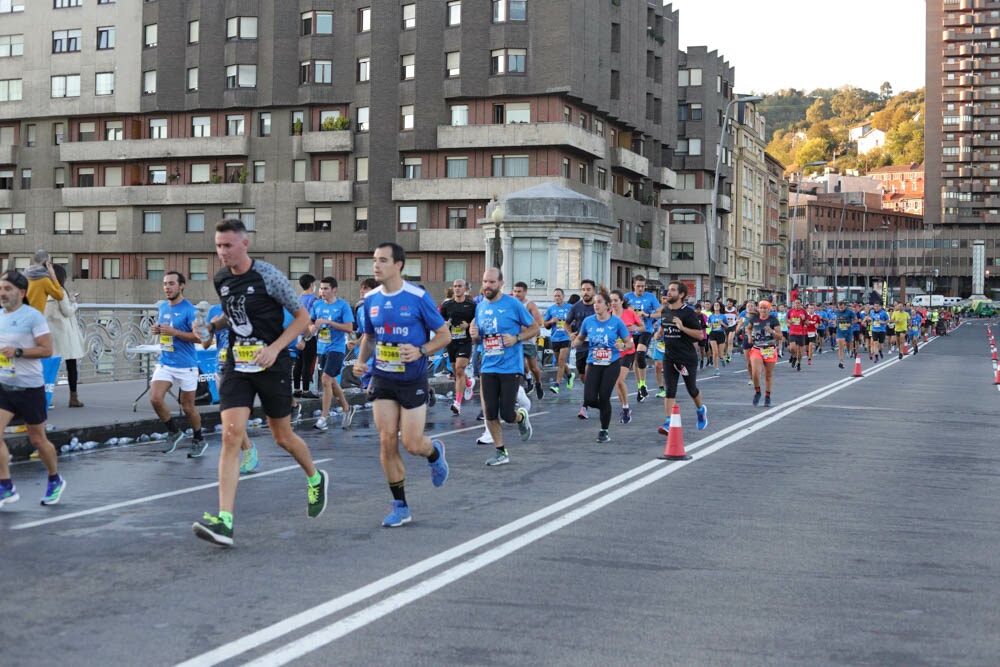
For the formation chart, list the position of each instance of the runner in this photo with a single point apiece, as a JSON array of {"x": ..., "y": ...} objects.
[
  {"x": 844, "y": 326},
  {"x": 174, "y": 330},
  {"x": 458, "y": 312},
  {"x": 254, "y": 295},
  {"x": 878, "y": 318},
  {"x": 900, "y": 324},
  {"x": 622, "y": 309},
  {"x": 915, "y": 321},
  {"x": 820, "y": 312},
  {"x": 796, "y": 321},
  {"x": 305, "y": 363},
  {"x": 530, "y": 347},
  {"x": 332, "y": 320},
  {"x": 813, "y": 321},
  {"x": 606, "y": 337},
  {"x": 502, "y": 324},
  {"x": 580, "y": 311},
  {"x": 555, "y": 320},
  {"x": 732, "y": 314},
  {"x": 680, "y": 329},
  {"x": 782, "y": 316},
  {"x": 399, "y": 318},
  {"x": 658, "y": 350},
  {"x": 24, "y": 341},
  {"x": 647, "y": 307},
  {"x": 701, "y": 346},
  {"x": 717, "y": 324},
  {"x": 749, "y": 310},
  {"x": 764, "y": 332}
]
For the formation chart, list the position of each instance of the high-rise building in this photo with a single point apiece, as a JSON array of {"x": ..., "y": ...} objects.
[{"x": 127, "y": 129}]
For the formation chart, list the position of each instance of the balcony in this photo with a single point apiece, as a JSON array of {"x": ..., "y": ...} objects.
[
  {"x": 8, "y": 154},
  {"x": 725, "y": 204},
  {"x": 154, "y": 195},
  {"x": 681, "y": 198},
  {"x": 666, "y": 176},
  {"x": 152, "y": 149},
  {"x": 452, "y": 240},
  {"x": 514, "y": 135},
  {"x": 329, "y": 191},
  {"x": 446, "y": 189},
  {"x": 337, "y": 141},
  {"x": 623, "y": 158}
]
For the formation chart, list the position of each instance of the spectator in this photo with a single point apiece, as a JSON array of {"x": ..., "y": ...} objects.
[
  {"x": 42, "y": 281},
  {"x": 67, "y": 338}
]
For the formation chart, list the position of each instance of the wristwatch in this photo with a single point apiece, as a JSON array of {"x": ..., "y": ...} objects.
[
  {"x": 423, "y": 351},
  {"x": 18, "y": 352}
]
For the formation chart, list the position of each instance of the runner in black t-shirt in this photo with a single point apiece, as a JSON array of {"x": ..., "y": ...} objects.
[
  {"x": 763, "y": 331},
  {"x": 459, "y": 312},
  {"x": 681, "y": 330}
]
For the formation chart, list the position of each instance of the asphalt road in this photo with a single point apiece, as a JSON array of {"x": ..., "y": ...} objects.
[{"x": 854, "y": 523}]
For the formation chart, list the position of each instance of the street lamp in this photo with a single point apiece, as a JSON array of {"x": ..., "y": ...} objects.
[
  {"x": 795, "y": 217},
  {"x": 715, "y": 186}
]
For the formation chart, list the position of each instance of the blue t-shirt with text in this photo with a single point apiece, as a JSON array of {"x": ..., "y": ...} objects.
[
  {"x": 560, "y": 313},
  {"x": 329, "y": 339},
  {"x": 602, "y": 337},
  {"x": 646, "y": 304},
  {"x": 404, "y": 317},
  {"x": 506, "y": 315},
  {"x": 175, "y": 352}
]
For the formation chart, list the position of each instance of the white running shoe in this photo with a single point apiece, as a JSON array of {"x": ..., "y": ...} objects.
[
  {"x": 485, "y": 439},
  {"x": 470, "y": 382},
  {"x": 522, "y": 399}
]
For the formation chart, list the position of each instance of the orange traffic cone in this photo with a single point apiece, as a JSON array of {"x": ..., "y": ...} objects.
[
  {"x": 857, "y": 367},
  {"x": 996, "y": 380},
  {"x": 904, "y": 349},
  {"x": 994, "y": 357},
  {"x": 674, "y": 451}
]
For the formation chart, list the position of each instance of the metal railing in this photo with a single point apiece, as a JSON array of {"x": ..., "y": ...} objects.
[{"x": 108, "y": 331}]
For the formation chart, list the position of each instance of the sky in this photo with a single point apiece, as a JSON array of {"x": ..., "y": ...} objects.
[{"x": 805, "y": 44}]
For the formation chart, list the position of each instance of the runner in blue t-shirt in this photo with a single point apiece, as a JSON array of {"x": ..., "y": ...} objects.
[
  {"x": 332, "y": 320},
  {"x": 878, "y": 318},
  {"x": 606, "y": 336},
  {"x": 844, "y": 323},
  {"x": 399, "y": 318},
  {"x": 555, "y": 319},
  {"x": 647, "y": 307},
  {"x": 174, "y": 331}
]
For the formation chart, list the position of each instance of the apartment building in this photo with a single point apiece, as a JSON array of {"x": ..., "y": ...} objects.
[
  {"x": 128, "y": 129},
  {"x": 775, "y": 248}
]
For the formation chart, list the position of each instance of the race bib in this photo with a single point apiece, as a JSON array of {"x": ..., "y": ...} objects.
[
  {"x": 6, "y": 368},
  {"x": 812, "y": 334},
  {"x": 661, "y": 347},
  {"x": 221, "y": 355},
  {"x": 561, "y": 324},
  {"x": 769, "y": 353},
  {"x": 493, "y": 345},
  {"x": 166, "y": 343},
  {"x": 601, "y": 356},
  {"x": 716, "y": 326},
  {"x": 843, "y": 326},
  {"x": 243, "y": 356},
  {"x": 458, "y": 333},
  {"x": 324, "y": 336},
  {"x": 387, "y": 358}
]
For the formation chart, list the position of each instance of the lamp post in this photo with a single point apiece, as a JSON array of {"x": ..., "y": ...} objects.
[
  {"x": 795, "y": 217},
  {"x": 715, "y": 186}
]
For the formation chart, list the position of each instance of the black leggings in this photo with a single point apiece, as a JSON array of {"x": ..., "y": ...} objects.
[
  {"x": 671, "y": 374},
  {"x": 598, "y": 386},
  {"x": 72, "y": 374},
  {"x": 499, "y": 393},
  {"x": 305, "y": 362}
]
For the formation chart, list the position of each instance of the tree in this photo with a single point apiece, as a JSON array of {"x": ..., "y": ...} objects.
[
  {"x": 885, "y": 91},
  {"x": 905, "y": 143},
  {"x": 852, "y": 104},
  {"x": 819, "y": 111},
  {"x": 812, "y": 150},
  {"x": 781, "y": 148}
]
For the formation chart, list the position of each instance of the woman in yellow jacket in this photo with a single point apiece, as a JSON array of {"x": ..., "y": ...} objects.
[{"x": 42, "y": 281}]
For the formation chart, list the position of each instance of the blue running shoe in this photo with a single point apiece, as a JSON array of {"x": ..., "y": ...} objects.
[
  {"x": 250, "y": 461},
  {"x": 702, "y": 417},
  {"x": 439, "y": 469},
  {"x": 8, "y": 495},
  {"x": 54, "y": 491},
  {"x": 756, "y": 398},
  {"x": 399, "y": 515},
  {"x": 626, "y": 415}
]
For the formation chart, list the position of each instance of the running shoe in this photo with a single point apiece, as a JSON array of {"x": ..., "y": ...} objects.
[
  {"x": 875, "y": 360},
  {"x": 702, "y": 413},
  {"x": 643, "y": 391},
  {"x": 53, "y": 492},
  {"x": 308, "y": 394},
  {"x": 554, "y": 389},
  {"x": 480, "y": 417},
  {"x": 749, "y": 383},
  {"x": 522, "y": 400},
  {"x": 173, "y": 440},
  {"x": 767, "y": 401},
  {"x": 297, "y": 393},
  {"x": 499, "y": 458},
  {"x": 348, "y": 417},
  {"x": 321, "y": 424},
  {"x": 399, "y": 515},
  {"x": 723, "y": 362},
  {"x": 212, "y": 529},
  {"x": 485, "y": 439},
  {"x": 665, "y": 428},
  {"x": 432, "y": 398},
  {"x": 529, "y": 383},
  {"x": 539, "y": 391},
  {"x": 798, "y": 366},
  {"x": 583, "y": 413},
  {"x": 317, "y": 496},
  {"x": 626, "y": 415},
  {"x": 198, "y": 448},
  {"x": 456, "y": 408},
  {"x": 8, "y": 495},
  {"x": 809, "y": 363},
  {"x": 250, "y": 462},
  {"x": 439, "y": 468},
  {"x": 717, "y": 373},
  {"x": 569, "y": 382},
  {"x": 296, "y": 413},
  {"x": 524, "y": 426},
  {"x": 638, "y": 396},
  {"x": 840, "y": 365},
  {"x": 603, "y": 436},
  {"x": 662, "y": 393},
  {"x": 756, "y": 398},
  {"x": 470, "y": 383},
  {"x": 900, "y": 355}
]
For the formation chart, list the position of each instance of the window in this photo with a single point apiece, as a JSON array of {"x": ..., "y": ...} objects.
[
  {"x": 11, "y": 45},
  {"x": 409, "y": 16},
  {"x": 509, "y": 10},
  {"x": 362, "y": 119},
  {"x": 67, "y": 85},
  {"x": 298, "y": 171},
  {"x": 329, "y": 170},
  {"x": 454, "y": 269},
  {"x": 201, "y": 126},
  {"x": 681, "y": 251},
  {"x": 517, "y": 112},
  {"x": 241, "y": 27},
  {"x": 157, "y": 128},
  {"x": 197, "y": 269},
  {"x": 508, "y": 61},
  {"x": 194, "y": 28},
  {"x": 6, "y": 179},
  {"x": 316, "y": 71},
  {"x": 530, "y": 260},
  {"x": 407, "y": 218},
  {"x": 194, "y": 222},
  {"x": 247, "y": 216},
  {"x": 10, "y": 90},
  {"x": 364, "y": 267},
  {"x": 460, "y": 114},
  {"x": 510, "y": 165},
  {"x": 155, "y": 266},
  {"x": 455, "y": 12},
  {"x": 361, "y": 218},
  {"x": 234, "y": 125},
  {"x": 69, "y": 222},
  {"x": 565, "y": 167},
  {"x": 59, "y": 177},
  {"x": 149, "y": 35},
  {"x": 111, "y": 268},
  {"x": 86, "y": 130},
  {"x": 31, "y": 137},
  {"x": 264, "y": 123},
  {"x": 298, "y": 121},
  {"x": 361, "y": 169},
  {"x": 65, "y": 41},
  {"x": 695, "y": 112},
  {"x": 602, "y": 178},
  {"x": 259, "y": 171},
  {"x": 192, "y": 79},
  {"x": 104, "y": 83},
  {"x": 156, "y": 175},
  {"x": 458, "y": 217},
  {"x": 408, "y": 66},
  {"x": 694, "y": 146},
  {"x": 201, "y": 173},
  {"x": 453, "y": 63},
  {"x": 689, "y": 77},
  {"x": 12, "y": 223},
  {"x": 365, "y": 19},
  {"x": 616, "y": 83},
  {"x": 8, "y": 6},
  {"x": 25, "y": 179},
  {"x": 313, "y": 220},
  {"x": 241, "y": 76},
  {"x": 458, "y": 167},
  {"x": 85, "y": 177},
  {"x": 413, "y": 269},
  {"x": 406, "y": 117},
  {"x": 317, "y": 23},
  {"x": 149, "y": 82},
  {"x": 411, "y": 167},
  {"x": 236, "y": 172},
  {"x": 616, "y": 38},
  {"x": 62, "y": 4},
  {"x": 113, "y": 177},
  {"x": 364, "y": 69}
]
